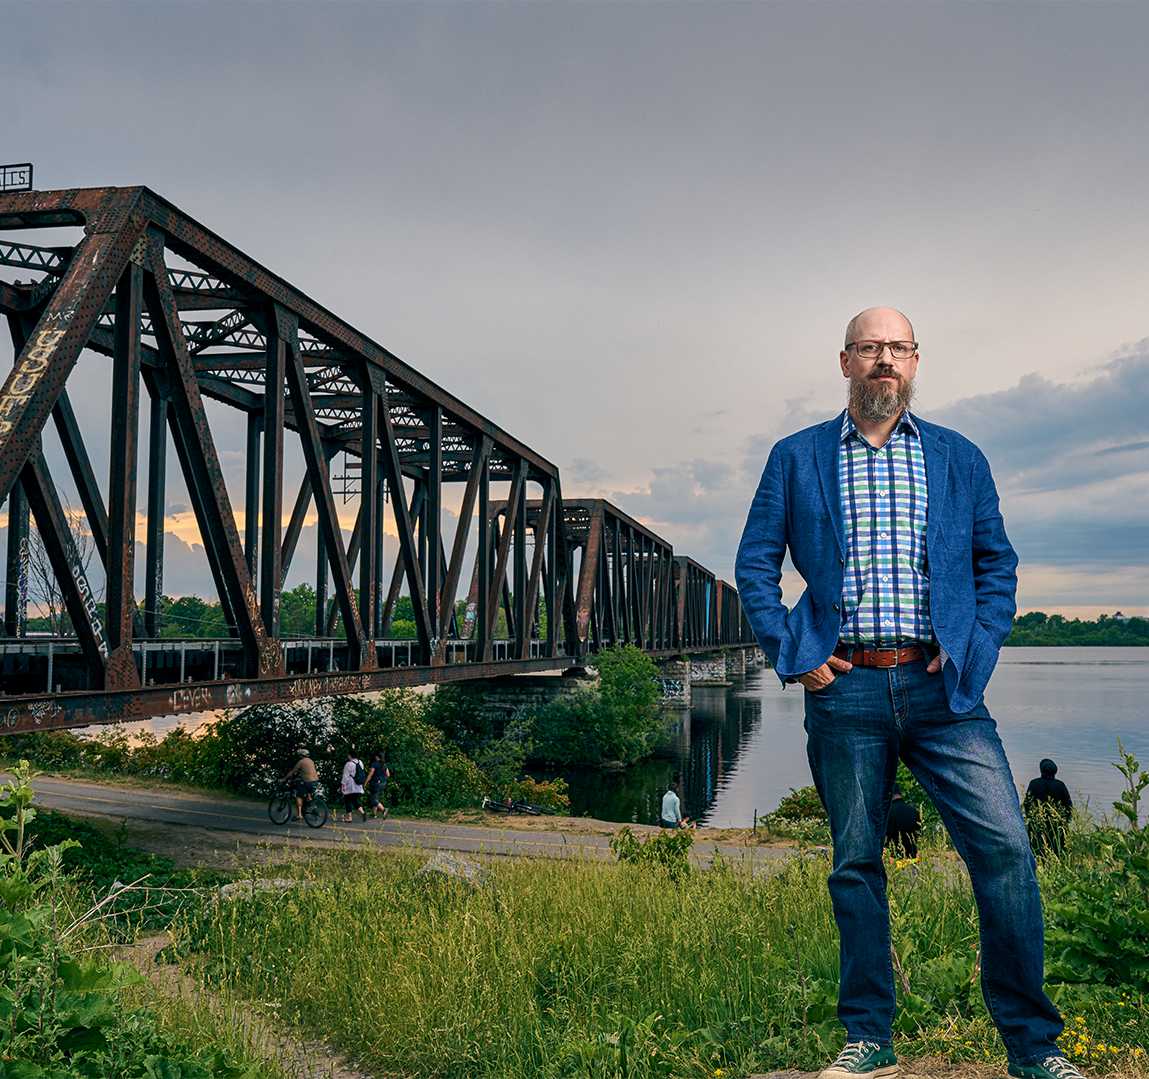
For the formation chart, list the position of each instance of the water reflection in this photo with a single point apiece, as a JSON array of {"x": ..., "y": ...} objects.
[{"x": 710, "y": 740}]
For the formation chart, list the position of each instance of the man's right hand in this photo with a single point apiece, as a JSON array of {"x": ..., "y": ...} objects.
[{"x": 821, "y": 677}]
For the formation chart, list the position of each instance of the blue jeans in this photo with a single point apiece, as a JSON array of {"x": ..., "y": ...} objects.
[{"x": 857, "y": 728}]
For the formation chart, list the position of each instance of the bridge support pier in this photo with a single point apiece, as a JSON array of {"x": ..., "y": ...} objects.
[
  {"x": 708, "y": 668},
  {"x": 674, "y": 678},
  {"x": 509, "y": 698},
  {"x": 736, "y": 663}
]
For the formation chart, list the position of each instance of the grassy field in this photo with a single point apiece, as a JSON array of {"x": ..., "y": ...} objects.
[{"x": 580, "y": 968}]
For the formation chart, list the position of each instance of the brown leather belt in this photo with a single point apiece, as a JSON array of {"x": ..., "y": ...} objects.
[{"x": 880, "y": 657}]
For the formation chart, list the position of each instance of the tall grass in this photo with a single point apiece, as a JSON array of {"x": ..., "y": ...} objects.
[
  {"x": 574, "y": 968},
  {"x": 549, "y": 969},
  {"x": 585, "y": 968}
]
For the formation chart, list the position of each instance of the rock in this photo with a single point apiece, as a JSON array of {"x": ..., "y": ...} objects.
[
  {"x": 245, "y": 888},
  {"x": 445, "y": 864}
]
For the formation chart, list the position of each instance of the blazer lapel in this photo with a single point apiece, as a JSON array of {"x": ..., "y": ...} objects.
[{"x": 826, "y": 446}]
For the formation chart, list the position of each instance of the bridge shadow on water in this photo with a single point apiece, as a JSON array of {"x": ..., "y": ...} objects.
[{"x": 712, "y": 736}]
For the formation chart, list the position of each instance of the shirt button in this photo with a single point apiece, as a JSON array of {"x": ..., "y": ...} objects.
[
  {"x": 885, "y": 578},
  {"x": 883, "y": 535},
  {"x": 836, "y": 607}
]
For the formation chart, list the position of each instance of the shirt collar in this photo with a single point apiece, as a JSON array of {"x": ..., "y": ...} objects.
[{"x": 905, "y": 423}]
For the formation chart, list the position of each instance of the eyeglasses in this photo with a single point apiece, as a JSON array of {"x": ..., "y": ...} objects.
[{"x": 871, "y": 350}]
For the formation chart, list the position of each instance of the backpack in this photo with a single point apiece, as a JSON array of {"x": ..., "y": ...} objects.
[{"x": 360, "y": 775}]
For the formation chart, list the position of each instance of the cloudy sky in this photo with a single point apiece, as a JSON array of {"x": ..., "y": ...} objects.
[{"x": 631, "y": 234}]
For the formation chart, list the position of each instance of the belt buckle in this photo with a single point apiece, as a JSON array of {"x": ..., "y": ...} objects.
[{"x": 883, "y": 652}]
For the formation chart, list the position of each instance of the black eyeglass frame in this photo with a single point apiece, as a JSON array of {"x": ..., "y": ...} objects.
[{"x": 885, "y": 344}]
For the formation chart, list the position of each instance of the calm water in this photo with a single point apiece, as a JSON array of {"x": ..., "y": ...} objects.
[{"x": 745, "y": 747}]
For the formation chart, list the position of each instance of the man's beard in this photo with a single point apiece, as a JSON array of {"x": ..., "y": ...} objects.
[{"x": 874, "y": 401}]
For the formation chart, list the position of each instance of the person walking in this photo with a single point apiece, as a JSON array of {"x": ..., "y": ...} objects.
[
  {"x": 377, "y": 775},
  {"x": 352, "y": 786},
  {"x": 893, "y": 524}
]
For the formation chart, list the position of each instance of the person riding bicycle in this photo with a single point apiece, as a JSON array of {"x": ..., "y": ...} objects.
[{"x": 308, "y": 782}]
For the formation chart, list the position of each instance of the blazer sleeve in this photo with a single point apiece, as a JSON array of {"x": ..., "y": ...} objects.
[{"x": 758, "y": 567}]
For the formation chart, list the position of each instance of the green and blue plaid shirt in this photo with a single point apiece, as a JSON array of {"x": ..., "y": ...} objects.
[{"x": 886, "y": 591}]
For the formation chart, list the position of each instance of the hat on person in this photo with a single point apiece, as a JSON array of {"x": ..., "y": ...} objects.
[
  {"x": 303, "y": 751},
  {"x": 1048, "y": 767}
]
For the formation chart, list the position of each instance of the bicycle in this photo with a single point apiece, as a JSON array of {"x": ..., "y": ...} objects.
[
  {"x": 281, "y": 808},
  {"x": 505, "y": 805}
]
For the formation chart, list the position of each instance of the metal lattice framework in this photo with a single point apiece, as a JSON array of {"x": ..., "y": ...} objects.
[{"x": 184, "y": 318}]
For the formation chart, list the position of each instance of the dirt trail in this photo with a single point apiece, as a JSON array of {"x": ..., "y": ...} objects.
[{"x": 299, "y": 1057}]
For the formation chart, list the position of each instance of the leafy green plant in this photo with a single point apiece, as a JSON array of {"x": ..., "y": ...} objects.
[
  {"x": 617, "y": 719},
  {"x": 1098, "y": 931},
  {"x": 669, "y": 849},
  {"x": 800, "y": 804},
  {"x": 61, "y": 1015},
  {"x": 549, "y": 793}
]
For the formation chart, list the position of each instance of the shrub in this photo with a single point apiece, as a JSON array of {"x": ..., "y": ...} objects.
[
  {"x": 1098, "y": 931},
  {"x": 617, "y": 719},
  {"x": 801, "y": 804},
  {"x": 548, "y": 793},
  {"x": 668, "y": 849},
  {"x": 427, "y": 771}
]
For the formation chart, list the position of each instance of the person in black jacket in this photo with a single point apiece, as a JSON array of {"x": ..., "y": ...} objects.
[
  {"x": 902, "y": 826},
  {"x": 1048, "y": 808}
]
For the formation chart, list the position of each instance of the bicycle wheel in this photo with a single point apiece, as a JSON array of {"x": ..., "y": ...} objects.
[
  {"x": 315, "y": 812},
  {"x": 279, "y": 809}
]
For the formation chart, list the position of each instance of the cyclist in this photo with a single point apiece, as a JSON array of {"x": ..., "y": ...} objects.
[{"x": 308, "y": 782}]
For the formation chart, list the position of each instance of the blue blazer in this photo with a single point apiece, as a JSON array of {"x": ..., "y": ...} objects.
[{"x": 970, "y": 563}]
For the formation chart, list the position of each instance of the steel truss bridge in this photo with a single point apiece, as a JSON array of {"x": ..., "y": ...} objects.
[{"x": 185, "y": 318}]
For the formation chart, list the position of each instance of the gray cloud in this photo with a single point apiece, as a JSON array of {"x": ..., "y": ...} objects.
[{"x": 1070, "y": 461}]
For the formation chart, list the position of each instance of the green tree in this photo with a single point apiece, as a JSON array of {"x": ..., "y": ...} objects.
[{"x": 617, "y": 719}]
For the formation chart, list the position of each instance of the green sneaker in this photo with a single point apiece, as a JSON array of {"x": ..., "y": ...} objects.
[
  {"x": 865, "y": 1059},
  {"x": 1049, "y": 1068}
]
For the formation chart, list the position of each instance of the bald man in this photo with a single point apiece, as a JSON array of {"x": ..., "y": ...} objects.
[{"x": 893, "y": 523}]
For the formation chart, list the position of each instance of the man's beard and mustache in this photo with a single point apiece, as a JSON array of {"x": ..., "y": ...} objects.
[{"x": 877, "y": 401}]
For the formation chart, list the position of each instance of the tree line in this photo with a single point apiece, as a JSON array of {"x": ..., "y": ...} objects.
[{"x": 1038, "y": 628}]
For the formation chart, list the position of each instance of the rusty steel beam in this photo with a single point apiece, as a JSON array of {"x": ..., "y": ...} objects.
[
  {"x": 157, "y": 494},
  {"x": 362, "y": 649},
  {"x": 271, "y": 558},
  {"x": 203, "y": 474},
  {"x": 121, "y": 543},
  {"x": 42, "y": 367}
]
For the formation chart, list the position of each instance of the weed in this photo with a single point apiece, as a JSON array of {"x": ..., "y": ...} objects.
[
  {"x": 60, "y": 1013},
  {"x": 668, "y": 849}
]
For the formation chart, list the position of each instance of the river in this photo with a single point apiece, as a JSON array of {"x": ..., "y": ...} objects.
[{"x": 745, "y": 747}]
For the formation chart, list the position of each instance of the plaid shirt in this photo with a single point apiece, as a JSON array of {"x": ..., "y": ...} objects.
[{"x": 886, "y": 591}]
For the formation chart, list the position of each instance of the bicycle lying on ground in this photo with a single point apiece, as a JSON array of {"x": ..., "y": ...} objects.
[
  {"x": 281, "y": 808},
  {"x": 506, "y": 805}
]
